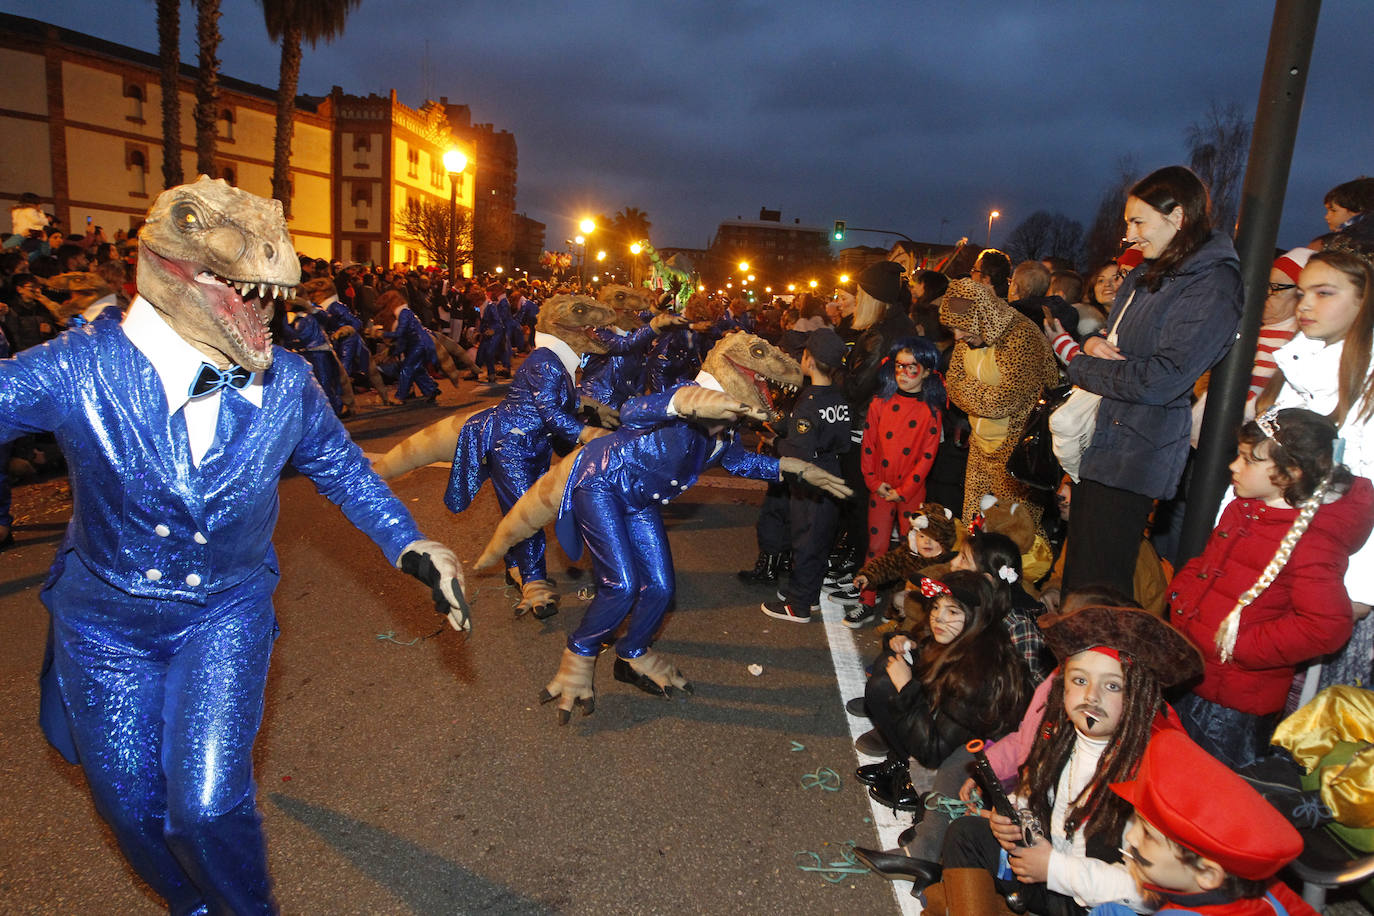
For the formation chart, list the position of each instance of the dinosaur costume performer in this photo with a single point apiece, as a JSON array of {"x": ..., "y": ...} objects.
[
  {"x": 617, "y": 374},
  {"x": 177, "y": 425},
  {"x": 610, "y": 492},
  {"x": 512, "y": 442}
]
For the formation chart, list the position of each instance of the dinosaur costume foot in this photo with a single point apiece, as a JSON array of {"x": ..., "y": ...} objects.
[
  {"x": 663, "y": 673},
  {"x": 627, "y": 675},
  {"x": 572, "y": 686},
  {"x": 539, "y": 596}
]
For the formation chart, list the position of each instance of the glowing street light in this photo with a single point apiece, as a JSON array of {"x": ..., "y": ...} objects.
[
  {"x": 743, "y": 266},
  {"x": 729, "y": 286},
  {"x": 636, "y": 248},
  {"x": 751, "y": 276},
  {"x": 844, "y": 278},
  {"x": 595, "y": 278},
  {"x": 454, "y": 163},
  {"x": 601, "y": 255},
  {"x": 814, "y": 284},
  {"x": 992, "y": 216},
  {"x": 581, "y": 240},
  {"x": 587, "y": 226},
  {"x": 791, "y": 287},
  {"x": 500, "y": 269},
  {"x": 701, "y": 287}
]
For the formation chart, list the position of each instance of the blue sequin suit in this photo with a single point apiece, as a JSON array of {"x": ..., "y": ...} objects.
[
  {"x": 617, "y": 375},
  {"x": 512, "y": 443},
  {"x": 673, "y": 359},
  {"x": 304, "y": 334},
  {"x": 161, "y": 596},
  {"x": 416, "y": 349},
  {"x": 613, "y": 498},
  {"x": 352, "y": 350}
]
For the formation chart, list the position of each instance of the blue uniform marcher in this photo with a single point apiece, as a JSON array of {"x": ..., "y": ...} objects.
[
  {"x": 613, "y": 500},
  {"x": 495, "y": 342},
  {"x": 161, "y": 593},
  {"x": 334, "y": 316},
  {"x": 304, "y": 334},
  {"x": 512, "y": 443},
  {"x": 617, "y": 375},
  {"x": 416, "y": 348}
]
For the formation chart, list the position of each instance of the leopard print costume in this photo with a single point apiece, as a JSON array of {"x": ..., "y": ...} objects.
[{"x": 996, "y": 385}]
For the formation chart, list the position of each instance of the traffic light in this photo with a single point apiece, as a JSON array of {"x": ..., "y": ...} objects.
[{"x": 838, "y": 234}]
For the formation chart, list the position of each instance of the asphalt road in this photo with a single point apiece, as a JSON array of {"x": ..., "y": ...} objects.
[{"x": 402, "y": 769}]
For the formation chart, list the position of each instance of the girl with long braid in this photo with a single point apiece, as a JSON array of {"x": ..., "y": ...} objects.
[{"x": 1267, "y": 593}]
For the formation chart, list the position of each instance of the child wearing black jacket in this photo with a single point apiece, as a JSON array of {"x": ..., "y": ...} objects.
[{"x": 818, "y": 432}]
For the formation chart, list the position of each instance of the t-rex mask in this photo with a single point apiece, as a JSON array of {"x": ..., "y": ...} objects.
[
  {"x": 754, "y": 371},
  {"x": 211, "y": 260}
]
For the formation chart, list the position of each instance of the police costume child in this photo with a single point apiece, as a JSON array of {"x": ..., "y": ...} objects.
[
  {"x": 818, "y": 433},
  {"x": 177, "y": 425}
]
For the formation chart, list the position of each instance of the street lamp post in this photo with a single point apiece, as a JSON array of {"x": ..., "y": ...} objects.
[
  {"x": 992, "y": 215},
  {"x": 454, "y": 163},
  {"x": 635, "y": 249},
  {"x": 588, "y": 226}
]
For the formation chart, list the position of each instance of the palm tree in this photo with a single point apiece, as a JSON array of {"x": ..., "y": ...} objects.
[
  {"x": 290, "y": 22},
  {"x": 168, "y": 38},
  {"x": 633, "y": 224},
  {"x": 207, "y": 85}
]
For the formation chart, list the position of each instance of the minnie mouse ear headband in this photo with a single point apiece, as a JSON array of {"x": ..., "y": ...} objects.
[
  {"x": 1142, "y": 637},
  {"x": 934, "y": 588}
]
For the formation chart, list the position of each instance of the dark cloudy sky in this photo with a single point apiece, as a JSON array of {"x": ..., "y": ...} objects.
[{"x": 895, "y": 114}]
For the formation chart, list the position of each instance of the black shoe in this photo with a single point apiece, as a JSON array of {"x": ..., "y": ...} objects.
[
  {"x": 871, "y": 744},
  {"x": 897, "y": 792},
  {"x": 627, "y": 675},
  {"x": 874, "y": 774},
  {"x": 856, "y": 707},
  {"x": 859, "y": 615},
  {"x": 894, "y": 866},
  {"x": 765, "y": 570},
  {"x": 838, "y": 581},
  {"x": 785, "y": 563},
  {"x": 908, "y": 836},
  {"x": 785, "y": 610}
]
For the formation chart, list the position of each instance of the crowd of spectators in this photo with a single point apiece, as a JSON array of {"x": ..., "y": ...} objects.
[{"x": 921, "y": 388}]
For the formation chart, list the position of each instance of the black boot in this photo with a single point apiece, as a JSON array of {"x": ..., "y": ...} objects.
[
  {"x": 765, "y": 570},
  {"x": 785, "y": 563}
]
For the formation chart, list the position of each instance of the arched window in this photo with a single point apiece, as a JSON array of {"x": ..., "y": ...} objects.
[
  {"x": 137, "y": 166},
  {"x": 134, "y": 94},
  {"x": 226, "y": 126}
]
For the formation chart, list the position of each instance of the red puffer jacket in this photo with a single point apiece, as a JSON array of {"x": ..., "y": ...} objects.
[{"x": 1304, "y": 614}]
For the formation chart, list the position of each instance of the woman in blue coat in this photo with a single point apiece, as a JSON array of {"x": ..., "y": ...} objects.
[{"x": 1182, "y": 307}]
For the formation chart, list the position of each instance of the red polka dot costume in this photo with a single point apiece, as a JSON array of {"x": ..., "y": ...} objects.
[{"x": 901, "y": 437}]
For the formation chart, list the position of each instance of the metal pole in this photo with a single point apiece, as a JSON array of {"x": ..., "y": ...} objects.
[
  {"x": 1266, "y": 180},
  {"x": 452, "y": 225}
]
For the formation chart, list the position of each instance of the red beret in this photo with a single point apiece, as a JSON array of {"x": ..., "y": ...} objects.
[{"x": 1198, "y": 802}]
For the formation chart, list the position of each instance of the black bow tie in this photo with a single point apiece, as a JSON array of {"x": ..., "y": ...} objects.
[{"x": 211, "y": 379}]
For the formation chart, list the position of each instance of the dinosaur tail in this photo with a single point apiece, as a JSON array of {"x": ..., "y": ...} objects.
[
  {"x": 531, "y": 512},
  {"x": 435, "y": 442}
]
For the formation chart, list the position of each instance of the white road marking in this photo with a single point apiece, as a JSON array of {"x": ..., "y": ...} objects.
[{"x": 849, "y": 678}]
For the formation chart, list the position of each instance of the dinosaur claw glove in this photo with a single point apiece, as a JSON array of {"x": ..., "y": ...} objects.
[
  {"x": 594, "y": 413},
  {"x": 693, "y": 402},
  {"x": 666, "y": 322},
  {"x": 437, "y": 566},
  {"x": 821, "y": 479}
]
